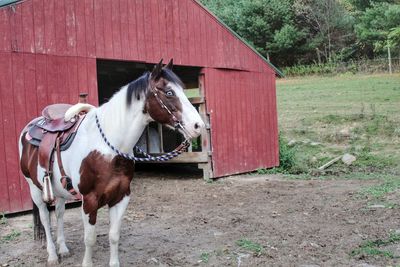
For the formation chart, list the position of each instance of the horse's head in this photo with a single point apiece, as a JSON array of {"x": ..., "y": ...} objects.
[{"x": 167, "y": 103}]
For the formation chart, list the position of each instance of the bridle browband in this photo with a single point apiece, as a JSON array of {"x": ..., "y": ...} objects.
[{"x": 167, "y": 156}]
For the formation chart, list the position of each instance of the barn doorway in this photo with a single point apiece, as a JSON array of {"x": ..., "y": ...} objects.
[{"x": 156, "y": 139}]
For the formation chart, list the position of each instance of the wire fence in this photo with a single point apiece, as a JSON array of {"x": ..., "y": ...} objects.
[{"x": 379, "y": 65}]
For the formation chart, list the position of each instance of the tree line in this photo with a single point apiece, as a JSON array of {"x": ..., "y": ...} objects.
[{"x": 293, "y": 32}]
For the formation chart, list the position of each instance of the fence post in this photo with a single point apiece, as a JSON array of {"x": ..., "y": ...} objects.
[{"x": 390, "y": 60}]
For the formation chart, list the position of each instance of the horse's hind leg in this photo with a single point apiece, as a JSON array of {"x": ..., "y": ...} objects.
[
  {"x": 116, "y": 214},
  {"x": 89, "y": 238},
  {"x": 60, "y": 209},
  {"x": 36, "y": 195}
]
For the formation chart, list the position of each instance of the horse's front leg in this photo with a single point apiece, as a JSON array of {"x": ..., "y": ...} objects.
[
  {"x": 116, "y": 213},
  {"x": 36, "y": 195},
  {"x": 60, "y": 209},
  {"x": 89, "y": 238}
]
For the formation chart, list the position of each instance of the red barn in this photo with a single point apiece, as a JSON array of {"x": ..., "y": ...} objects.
[{"x": 50, "y": 50}]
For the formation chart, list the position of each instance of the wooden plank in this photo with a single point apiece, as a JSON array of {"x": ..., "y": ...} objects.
[
  {"x": 60, "y": 27},
  {"x": 51, "y": 79},
  {"x": 162, "y": 29},
  {"x": 41, "y": 81},
  {"x": 116, "y": 29},
  {"x": 125, "y": 29},
  {"x": 15, "y": 101},
  {"x": 184, "y": 32},
  {"x": 90, "y": 28},
  {"x": 80, "y": 23},
  {"x": 177, "y": 34},
  {"x": 39, "y": 25},
  {"x": 107, "y": 24},
  {"x": 70, "y": 27},
  {"x": 148, "y": 36},
  {"x": 83, "y": 77},
  {"x": 140, "y": 30},
  {"x": 99, "y": 28},
  {"x": 16, "y": 28},
  {"x": 187, "y": 157},
  {"x": 72, "y": 79},
  {"x": 169, "y": 26},
  {"x": 155, "y": 31},
  {"x": 93, "y": 97},
  {"x": 132, "y": 34},
  {"x": 192, "y": 40},
  {"x": 28, "y": 39},
  {"x": 49, "y": 27},
  {"x": 5, "y": 108},
  {"x": 5, "y": 37}
]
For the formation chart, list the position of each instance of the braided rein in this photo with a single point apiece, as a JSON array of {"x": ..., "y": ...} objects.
[{"x": 165, "y": 157}]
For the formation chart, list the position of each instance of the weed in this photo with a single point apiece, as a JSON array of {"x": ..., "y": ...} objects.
[
  {"x": 371, "y": 248},
  {"x": 205, "y": 257},
  {"x": 3, "y": 219},
  {"x": 11, "y": 236},
  {"x": 378, "y": 191},
  {"x": 249, "y": 245}
]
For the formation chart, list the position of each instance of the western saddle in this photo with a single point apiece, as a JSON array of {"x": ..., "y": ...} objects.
[{"x": 53, "y": 134}]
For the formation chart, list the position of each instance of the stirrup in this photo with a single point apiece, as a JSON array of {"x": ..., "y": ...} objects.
[{"x": 48, "y": 195}]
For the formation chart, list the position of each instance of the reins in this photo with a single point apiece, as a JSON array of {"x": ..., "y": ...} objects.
[{"x": 165, "y": 157}]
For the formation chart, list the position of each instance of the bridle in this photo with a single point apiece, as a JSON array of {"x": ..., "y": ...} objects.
[
  {"x": 177, "y": 123},
  {"x": 164, "y": 157}
]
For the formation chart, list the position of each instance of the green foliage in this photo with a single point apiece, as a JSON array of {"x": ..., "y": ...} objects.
[
  {"x": 250, "y": 246},
  {"x": 11, "y": 236},
  {"x": 372, "y": 248},
  {"x": 298, "y": 32},
  {"x": 375, "y": 23},
  {"x": 205, "y": 257},
  {"x": 390, "y": 184}
]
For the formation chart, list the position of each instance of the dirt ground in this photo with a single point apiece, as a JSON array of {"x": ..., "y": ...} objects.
[{"x": 177, "y": 219}]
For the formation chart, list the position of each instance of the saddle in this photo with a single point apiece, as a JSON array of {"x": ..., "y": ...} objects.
[{"x": 51, "y": 133}]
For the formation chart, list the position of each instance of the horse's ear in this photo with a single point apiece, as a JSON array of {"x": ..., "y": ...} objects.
[
  {"x": 170, "y": 64},
  {"x": 156, "y": 73}
]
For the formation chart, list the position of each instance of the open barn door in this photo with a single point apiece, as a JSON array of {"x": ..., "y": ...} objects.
[{"x": 243, "y": 119}]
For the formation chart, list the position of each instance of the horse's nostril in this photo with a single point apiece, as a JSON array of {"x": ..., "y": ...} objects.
[{"x": 196, "y": 126}]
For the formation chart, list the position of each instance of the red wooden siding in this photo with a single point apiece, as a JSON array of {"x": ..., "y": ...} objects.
[
  {"x": 127, "y": 30},
  {"x": 48, "y": 52},
  {"x": 243, "y": 120},
  {"x": 28, "y": 83}
]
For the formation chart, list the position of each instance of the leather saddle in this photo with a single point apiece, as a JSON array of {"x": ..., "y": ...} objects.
[
  {"x": 52, "y": 134},
  {"x": 52, "y": 122}
]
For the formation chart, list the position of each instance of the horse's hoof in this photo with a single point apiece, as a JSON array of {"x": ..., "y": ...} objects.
[
  {"x": 52, "y": 262},
  {"x": 64, "y": 252}
]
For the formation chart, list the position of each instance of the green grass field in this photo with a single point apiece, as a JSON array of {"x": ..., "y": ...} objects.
[{"x": 329, "y": 116}]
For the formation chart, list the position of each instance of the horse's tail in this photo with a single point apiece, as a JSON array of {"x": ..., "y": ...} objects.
[{"x": 38, "y": 230}]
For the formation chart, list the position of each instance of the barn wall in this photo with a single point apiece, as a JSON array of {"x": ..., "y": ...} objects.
[
  {"x": 127, "y": 30},
  {"x": 28, "y": 83},
  {"x": 48, "y": 52},
  {"x": 242, "y": 107}
]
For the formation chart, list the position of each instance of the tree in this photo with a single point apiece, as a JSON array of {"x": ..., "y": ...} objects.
[{"x": 375, "y": 25}]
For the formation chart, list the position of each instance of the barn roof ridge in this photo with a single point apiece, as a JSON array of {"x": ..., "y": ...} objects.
[{"x": 279, "y": 72}]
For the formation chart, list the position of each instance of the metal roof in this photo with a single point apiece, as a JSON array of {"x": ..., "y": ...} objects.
[{"x": 4, "y": 3}]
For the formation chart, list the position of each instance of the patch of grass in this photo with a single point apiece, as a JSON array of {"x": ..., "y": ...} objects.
[
  {"x": 205, "y": 257},
  {"x": 373, "y": 248},
  {"x": 356, "y": 114},
  {"x": 249, "y": 245},
  {"x": 11, "y": 236},
  {"x": 378, "y": 191}
]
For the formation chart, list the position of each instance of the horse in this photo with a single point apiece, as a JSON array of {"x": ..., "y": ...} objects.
[{"x": 97, "y": 162}]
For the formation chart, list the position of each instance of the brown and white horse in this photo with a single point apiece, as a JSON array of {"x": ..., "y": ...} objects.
[{"x": 98, "y": 173}]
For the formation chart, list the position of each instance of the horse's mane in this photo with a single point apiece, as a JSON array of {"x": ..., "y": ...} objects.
[{"x": 140, "y": 85}]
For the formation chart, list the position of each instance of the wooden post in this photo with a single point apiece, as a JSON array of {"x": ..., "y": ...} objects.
[
  {"x": 390, "y": 60},
  {"x": 206, "y": 134}
]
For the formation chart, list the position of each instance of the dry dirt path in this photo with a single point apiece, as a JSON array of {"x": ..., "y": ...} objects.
[{"x": 177, "y": 220}]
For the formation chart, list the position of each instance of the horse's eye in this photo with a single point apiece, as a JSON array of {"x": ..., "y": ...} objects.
[{"x": 170, "y": 93}]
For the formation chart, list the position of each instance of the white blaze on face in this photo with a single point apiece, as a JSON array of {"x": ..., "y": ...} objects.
[{"x": 190, "y": 117}]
